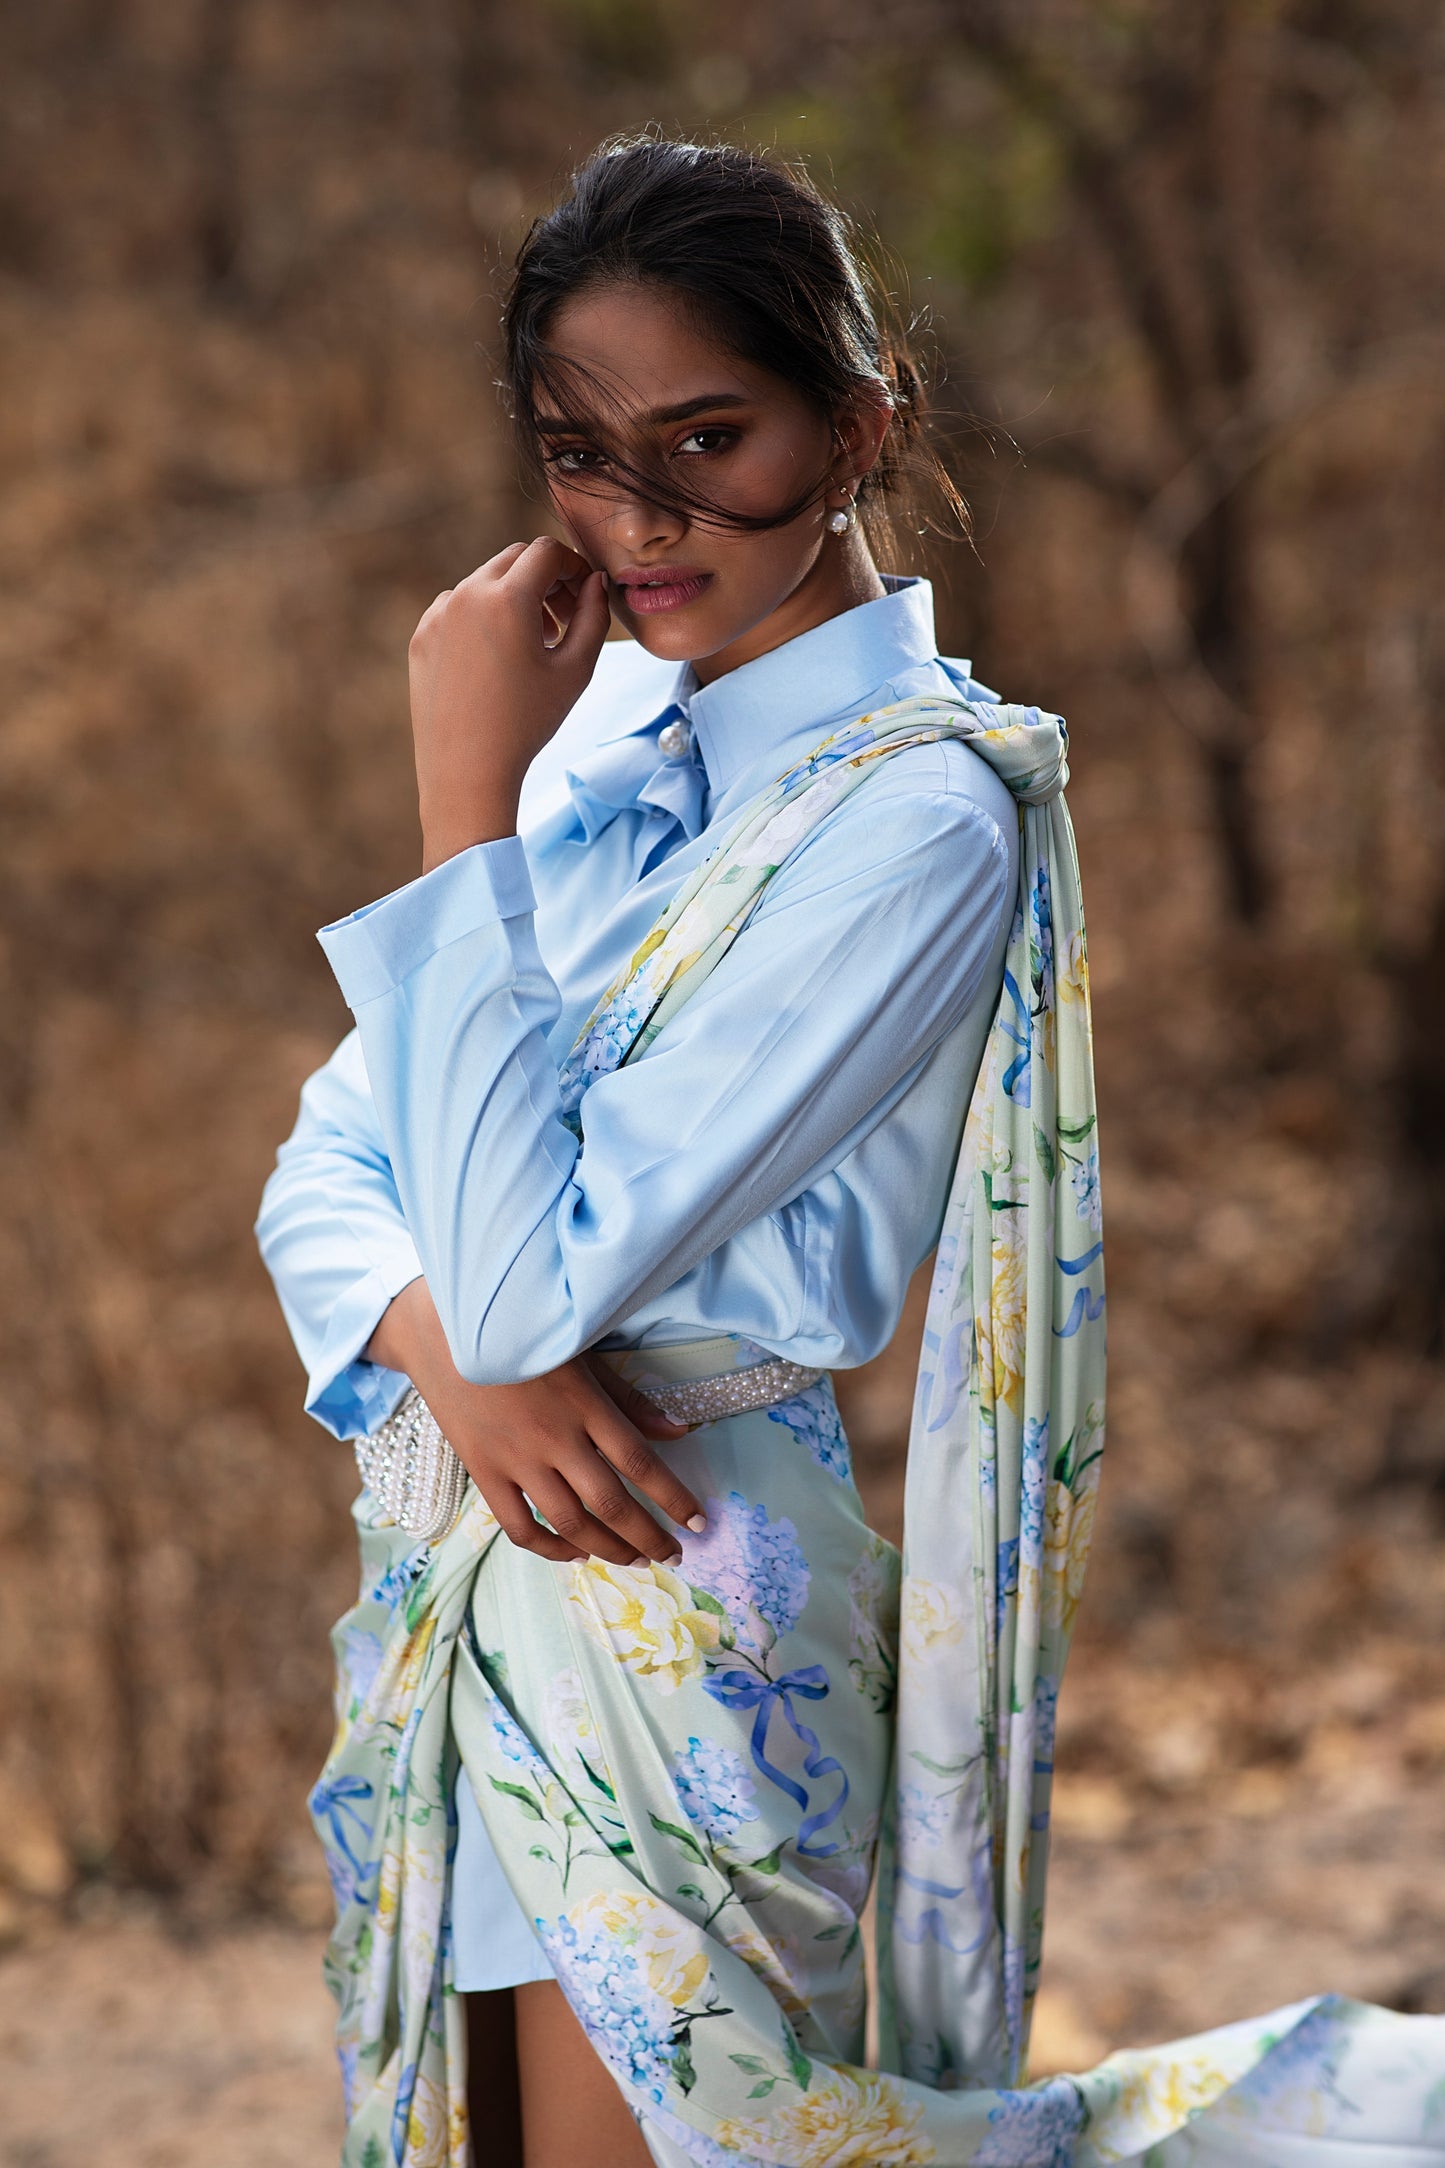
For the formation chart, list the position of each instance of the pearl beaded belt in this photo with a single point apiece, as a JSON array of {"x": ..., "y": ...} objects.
[
  {"x": 731, "y": 1392},
  {"x": 418, "y": 1482}
]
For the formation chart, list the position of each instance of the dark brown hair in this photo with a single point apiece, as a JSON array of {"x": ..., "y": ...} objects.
[{"x": 764, "y": 263}]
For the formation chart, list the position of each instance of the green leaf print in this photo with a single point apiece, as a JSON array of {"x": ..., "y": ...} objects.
[
  {"x": 523, "y": 1797},
  {"x": 1045, "y": 1153},
  {"x": 798, "y": 2063},
  {"x": 600, "y": 1782},
  {"x": 684, "y": 1837},
  {"x": 943, "y": 1768}
]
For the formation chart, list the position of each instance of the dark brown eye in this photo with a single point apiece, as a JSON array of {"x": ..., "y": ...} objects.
[
  {"x": 721, "y": 437},
  {"x": 576, "y": 459}
]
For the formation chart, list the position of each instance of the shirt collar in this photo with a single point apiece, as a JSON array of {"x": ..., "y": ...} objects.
[{"x": 751, "y": 722}]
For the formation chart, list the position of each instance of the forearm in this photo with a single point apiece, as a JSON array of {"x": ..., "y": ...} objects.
[{"x": 409, "y": 1335}]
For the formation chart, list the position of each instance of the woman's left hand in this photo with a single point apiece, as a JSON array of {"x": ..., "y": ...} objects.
[{"x": 495, "y": 665}]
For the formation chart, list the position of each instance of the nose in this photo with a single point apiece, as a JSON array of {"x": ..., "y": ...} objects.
[{"x": 636, "y": 525}]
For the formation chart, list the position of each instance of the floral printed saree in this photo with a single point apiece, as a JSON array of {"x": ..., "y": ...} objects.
[{"x": 692, "y": 1775}]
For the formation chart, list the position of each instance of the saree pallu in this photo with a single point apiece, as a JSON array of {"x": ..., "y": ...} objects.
[{"x": 685, "y": 1772}]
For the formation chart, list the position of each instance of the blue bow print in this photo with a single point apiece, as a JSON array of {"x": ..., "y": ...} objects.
[{"x": 746, "y": 1690}]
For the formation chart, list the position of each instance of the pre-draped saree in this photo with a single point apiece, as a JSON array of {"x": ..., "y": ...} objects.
[{"x": 684, "y": 1770}]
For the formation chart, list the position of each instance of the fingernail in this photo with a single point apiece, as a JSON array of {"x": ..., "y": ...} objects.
[
  {"x": 698, "y": 1523},
  {"x": 675, "y": 1560}
]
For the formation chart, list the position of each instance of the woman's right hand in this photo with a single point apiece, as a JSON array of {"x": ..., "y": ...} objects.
[{"x": 562, "y": 1441}]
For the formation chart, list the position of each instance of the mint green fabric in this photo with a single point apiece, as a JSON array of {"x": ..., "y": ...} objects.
[{"x": 684, "y": 1771}]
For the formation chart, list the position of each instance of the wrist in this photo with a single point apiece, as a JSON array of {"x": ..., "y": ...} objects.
[
  {"x": 406, "y": 1332},
  {"x": 447, "y": 830}
]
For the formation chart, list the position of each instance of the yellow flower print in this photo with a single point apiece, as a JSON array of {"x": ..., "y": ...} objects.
[
  {"x": 1068, "y": 1533},
  {"x": 932, "y": 1620},
  {"x": 398, "y": 1692},
  {"x": 853, "y": 2118},
  {"x": 646, "y": 1616},
  {"x": 1073, "y": 979},
  {"x": 388, "y": 1890},
  {"x": 430, "y": 2137},
  {"x": 670, "y": 1949},
  {"x": 777, "y": 1966},
  {"x": 1003, "y": 1317},
  {"x": 1159, "y": 2091}
]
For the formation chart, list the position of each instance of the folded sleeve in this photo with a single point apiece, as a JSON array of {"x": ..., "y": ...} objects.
[
  {"x": 334, "y": 1238},
  {"x": 868, "y": 947}
]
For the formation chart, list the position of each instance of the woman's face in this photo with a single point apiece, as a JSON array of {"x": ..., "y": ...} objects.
[{"x": 686, "y": 590}]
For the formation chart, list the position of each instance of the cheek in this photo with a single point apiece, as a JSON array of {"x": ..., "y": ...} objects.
[
  {"x": 578, "y": 513},
  {"x": 774, "y": 468}
]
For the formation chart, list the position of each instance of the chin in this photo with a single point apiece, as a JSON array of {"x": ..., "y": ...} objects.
[{"x": 678, "y": 636}]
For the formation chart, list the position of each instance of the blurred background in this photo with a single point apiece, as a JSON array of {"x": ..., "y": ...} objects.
[{"x": 1181, "y": 270}]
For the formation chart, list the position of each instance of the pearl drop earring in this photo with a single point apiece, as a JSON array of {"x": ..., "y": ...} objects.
[{"x": 840, "y": 521}]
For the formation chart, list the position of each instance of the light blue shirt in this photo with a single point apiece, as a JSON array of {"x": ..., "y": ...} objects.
[{"x": 776, "y": 1164}]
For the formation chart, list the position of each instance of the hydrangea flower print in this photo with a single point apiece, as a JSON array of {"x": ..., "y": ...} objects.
[
  {"x": 1046, "y": 1720},
  {"x": 360, "y": 1661},
  {"x": 511, "y": 1738},
  {"x": 1034, "y": 2129},
  {"x": 627, "y": 2021},
  {"x": 754, "y": 1568},
  {"x": 922, "y": 1818},
  {"x": 1042, "y": 941},
  {"x": 394, "y": 1584},
  {"x": 813, "y": 1418},
  {"x": 1007, "y": 1587},
  {"x": 603, "y": 1049},
  {"x": 609, "y": 1039},
  {"x": 716, "y": 1791},
  {"x": 1034, "y": 1475},
  {"x": 1084, "y": 1180}
]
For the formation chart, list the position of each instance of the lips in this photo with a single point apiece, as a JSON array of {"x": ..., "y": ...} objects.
[{"x": 669, "y": 587}]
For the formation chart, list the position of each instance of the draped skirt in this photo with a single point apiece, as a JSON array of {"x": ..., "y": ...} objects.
[{"x": 684, "y": 1773}]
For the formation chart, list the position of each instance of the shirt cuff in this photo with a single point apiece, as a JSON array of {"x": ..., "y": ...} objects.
[
  {"x": 379, "y": 946},
  {"x": 347, "y": 1394}
]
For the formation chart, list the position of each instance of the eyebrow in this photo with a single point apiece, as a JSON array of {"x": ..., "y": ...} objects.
[{"x": 707, "y": 402}]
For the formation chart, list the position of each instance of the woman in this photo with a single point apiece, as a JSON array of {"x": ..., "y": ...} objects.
[{"x": 654, "y": 1104}]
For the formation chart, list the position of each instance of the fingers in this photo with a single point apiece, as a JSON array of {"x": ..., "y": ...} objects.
[
  {"x": 591, "y": 1509},
  {"x": 634, "y": 1459},
  {"x": 496, "y": 567},
  {"x": 616, "y": 1528},
  {"x": 536, "y": 565},
  {"x": 520, "y": 1525},
  {"x": 590, "y": 618},
  {"x": 644, "y": 1414}
]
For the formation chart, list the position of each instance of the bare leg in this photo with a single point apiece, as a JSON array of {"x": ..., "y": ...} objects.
[
  {"x": 572, "y": 2109},
  {"x": 494, "y": 2105}
]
